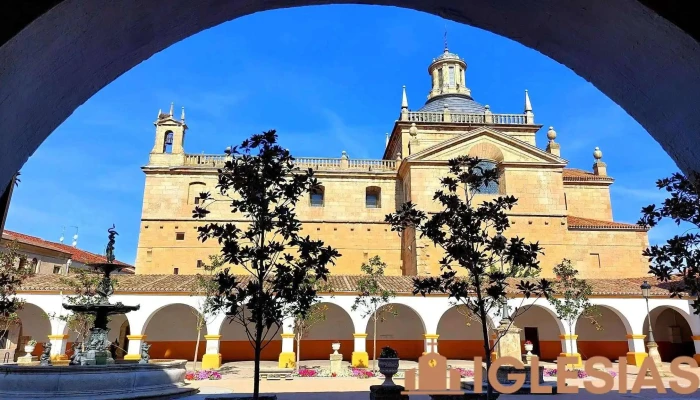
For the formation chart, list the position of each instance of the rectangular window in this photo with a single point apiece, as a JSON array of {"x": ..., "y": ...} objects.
[
  {"x": 180, "y": 236},
  {"x": 317, "y": 199},
  {"x": 176, "y": 271},
  {"x": 56, "y": 269},
  {"x": 596, "y": 259},
  {"x": 441, "y": 80},
  {"x": 451, "y": 72},
  {"x": 149, "y": 255},
  {"x": 200, "y": 263},
  {"x": 196, "y": 199},
  {"x": 566, "y": 203},
  {"x": 371, "y": 200}
]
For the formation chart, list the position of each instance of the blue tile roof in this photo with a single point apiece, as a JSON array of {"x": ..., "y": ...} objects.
[{"x": 456, "y": 103}]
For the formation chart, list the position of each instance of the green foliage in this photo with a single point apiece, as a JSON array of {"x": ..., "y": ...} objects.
[
  {"x": 14, "y": 270},
  {"x": 83, "y": 284},
  {"x": 261, "y": 183},
  {"x": 388, "y": 352},
  {"x": 680, "y": 256},
  {"x": 572, "y": 293},
  {"x": 471, "y": 236}
]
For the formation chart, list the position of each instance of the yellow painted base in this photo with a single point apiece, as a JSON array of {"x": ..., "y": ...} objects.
[
  {"x": 132, "y": 356},
  {"x": 636, "y": 359},
  {"x": 287, "y": 360},
  {"x": 494, "y": 356},
  {"x": 59, "y": 357},
  {"x": 579, "y": 363},
  {"x": 211, "y": 361},
  {"x": 360, "y": 359},
  {"x": 697, "y": 358}
]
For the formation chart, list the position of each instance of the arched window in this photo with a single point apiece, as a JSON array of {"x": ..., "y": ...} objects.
[
  {"x": 373, "y": 197},
  {"x": 492, "y": 187},
  {"x": 168, "y": 142},
  {"x": 317, "y": 196},
  {"x": 193, "y": 193}
]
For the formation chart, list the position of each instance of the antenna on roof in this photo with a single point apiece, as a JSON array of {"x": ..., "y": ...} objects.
[
  {"x": 62, "y": 234},
  {"x": 75, "y": 237},
  {"x": 445, "y": 37}
]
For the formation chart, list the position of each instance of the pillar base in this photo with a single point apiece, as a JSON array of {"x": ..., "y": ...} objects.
[
  {"x": 287, "y": 360},
  {"x": 59, "y": 357},
  {"x": 360, "y": 359},
  {"x": 636, "y": 358},
  {"x": 579, "y": 363},
  {"x": 494, "y": 356},
  {"x": 211, "y": 361},
  {"x": 132, "y": 356}
]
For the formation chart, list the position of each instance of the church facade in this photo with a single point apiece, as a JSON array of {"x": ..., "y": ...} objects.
[{"x": 568, "y": 211}]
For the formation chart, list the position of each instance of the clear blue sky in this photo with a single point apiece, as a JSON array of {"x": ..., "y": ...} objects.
[{"x": 328, "y": 78}]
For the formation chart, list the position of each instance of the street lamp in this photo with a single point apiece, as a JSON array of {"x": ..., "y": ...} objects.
[{"x": 652, "y": 347}]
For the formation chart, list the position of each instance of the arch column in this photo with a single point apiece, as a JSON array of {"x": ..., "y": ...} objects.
[
  {"x": 58, "y": 346},
  {"x": 212, "y": 357},
  {"x": 570, "y": 348},
  {"x": 134, "y": 350},
  {"x": 360, "y": 357},
  {"x": 636, "y": 353},
  {"x": 287, "y": 357}
]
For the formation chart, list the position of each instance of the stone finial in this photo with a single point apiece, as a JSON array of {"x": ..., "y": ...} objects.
[
  {"x": 599, "y": 167},
  {"x": 172, "y": 109},
  {"x": 446, "y": 115},
  {"x": 553, "y": 147},
  {"x": 160, "y": 112},
  {"x": 344, "y": 155},
  {"x": 528, "y": 105},
  {"x": 404, "y": 99},
  {"x": 387, "y": 140},
  {"x": 398, "y": 156},
  {"x": 182, "y": 116},
  {"x": 413, "y": 130}
]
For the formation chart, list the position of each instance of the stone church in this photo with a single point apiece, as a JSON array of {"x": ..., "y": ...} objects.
[{"x": 567, "y": 210}]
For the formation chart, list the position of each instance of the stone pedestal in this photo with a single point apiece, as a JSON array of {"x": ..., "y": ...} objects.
[
  {"x": 509, "y": 342},
  {"x": 96, "y": 357},
  {"x": 28, "y": 359},
  {"x": 379, "y": 392},
  {"x": 336, "y": 363}
]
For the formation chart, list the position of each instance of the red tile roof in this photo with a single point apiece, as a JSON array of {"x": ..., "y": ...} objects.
[
  {"x": 78, "y": 255},
  {"x": 588, "y": 223},
  {"x": 579, "y": 175},
  {"x": 402, "y": 285}
]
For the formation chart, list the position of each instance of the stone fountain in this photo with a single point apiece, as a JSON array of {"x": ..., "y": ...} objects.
[
  {"x": 93, "y": 372},
  {"x": 96, "y": 351}
]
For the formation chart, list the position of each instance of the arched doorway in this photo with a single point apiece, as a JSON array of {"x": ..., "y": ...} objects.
[
  {"x": 235, "y": 344},
  {"x": 336, "y": 328},
  {"x": 671, "y": 332},
  {"x": 540, "y": 326},
  {"x": 403, "y": 332},
  {"x": 33, "y": 324},
  {"x": 172, "y": 333},
  {"x": 461, "y": 336},
  {"x": 608, "y": 340}
]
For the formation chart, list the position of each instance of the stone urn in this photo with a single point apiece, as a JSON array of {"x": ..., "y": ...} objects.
[
  {"x": 528, "y": 348},
  {"x": 29, "y": 348},
  {"x": 335, "y": 347},
  {"x": 388, "y": 367}
]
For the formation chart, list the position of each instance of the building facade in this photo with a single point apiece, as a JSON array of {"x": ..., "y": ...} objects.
[{"x": 567, "y": 210}]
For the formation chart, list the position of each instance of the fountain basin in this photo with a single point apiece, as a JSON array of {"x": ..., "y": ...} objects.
[{"x": 165, "y": 379}]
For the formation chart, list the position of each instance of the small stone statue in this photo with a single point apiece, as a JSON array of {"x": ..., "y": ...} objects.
[
  {"x": 144, "y": 353},
  {"x": 45, "y": 359},
  {"x": 77, "y": 358}
]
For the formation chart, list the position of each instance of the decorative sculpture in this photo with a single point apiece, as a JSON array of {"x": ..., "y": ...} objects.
[
  {"x": 144, "y": 353},
  {"x": 45, "y": 359},
  {"x": 78, "y": 357}
]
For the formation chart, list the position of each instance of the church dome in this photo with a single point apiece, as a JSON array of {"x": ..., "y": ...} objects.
[{"x": 456, "y": 103}]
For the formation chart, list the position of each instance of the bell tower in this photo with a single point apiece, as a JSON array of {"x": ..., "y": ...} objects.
[
  {"x": 448, "y": 72},
  {"x": 169, "y": 143}
]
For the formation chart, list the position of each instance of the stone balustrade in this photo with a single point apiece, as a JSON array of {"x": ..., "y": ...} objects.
[
  {"x": 485, "y": 118},
  {"x": 316, "y": 163}
]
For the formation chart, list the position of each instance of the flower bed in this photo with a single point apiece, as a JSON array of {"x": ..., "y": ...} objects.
[
  {"x": 579, "y": 372},
  {"x": 204, "y": 375},
  {"x": 326, "y": 373}
]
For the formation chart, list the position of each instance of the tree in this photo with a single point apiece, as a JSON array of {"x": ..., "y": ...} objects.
[
  {"x": 317, "y": 313},
  {"x": 14, "y": 270},
  {"x": 373, "y": 299},
  {"x": 264, "y": 188},
  {"x": 680, "y": 256},
  {"x": 206, "y": 288},
  {"x": 574, "y": 292},
  {"x": 471, "y": 237}
]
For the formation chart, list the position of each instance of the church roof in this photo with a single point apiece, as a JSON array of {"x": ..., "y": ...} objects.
[
  {"x": 579, "y": 175},
  {"x": 456, "y": 103},
  {"x": 402, "y": 285},
  {"x": 589, "y": 223}
]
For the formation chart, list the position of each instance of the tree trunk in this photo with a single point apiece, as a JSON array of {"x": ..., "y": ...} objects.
[
  {"x": 296, "y": 366},
  {"x": 485, "y": 333},
  {"x": 258, "y": 349},
  {"x": 374, "y": 344},
  {"x": 196, "y": 347}
]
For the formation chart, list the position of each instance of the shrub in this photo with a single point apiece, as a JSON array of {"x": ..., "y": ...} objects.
[{"x": 388, "y": 352}]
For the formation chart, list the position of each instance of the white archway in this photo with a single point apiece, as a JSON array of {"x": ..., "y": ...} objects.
[
  {"x": 402, "y": 332},
  {"x": 461, "y": 336},
  {"x": 609, "y": 340},
  {"x": 171, "y": 330},
  {"x": 672, "y": 331},
  {"x": 540, "y": 325}
]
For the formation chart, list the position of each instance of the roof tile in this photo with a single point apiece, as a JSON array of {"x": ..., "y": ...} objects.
[
  {"x": 579, "y": 175},
  {"x": 588, "y": 223}
]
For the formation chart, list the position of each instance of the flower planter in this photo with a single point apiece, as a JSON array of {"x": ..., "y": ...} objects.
[
  {"x": 29, "y": 349},
  {"x": 335, "y": 347},
  {"x": 388, "y": 367}
]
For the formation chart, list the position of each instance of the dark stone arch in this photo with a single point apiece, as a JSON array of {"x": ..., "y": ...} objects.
[{"x": 672, "y": 332}]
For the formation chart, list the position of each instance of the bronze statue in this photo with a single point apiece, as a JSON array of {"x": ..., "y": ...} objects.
[
  {"x": 45, "y": 358},
  {"x": 144, "y": 353}
]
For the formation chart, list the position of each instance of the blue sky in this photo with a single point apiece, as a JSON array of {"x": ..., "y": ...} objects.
[{"x": 328, "y": 78}]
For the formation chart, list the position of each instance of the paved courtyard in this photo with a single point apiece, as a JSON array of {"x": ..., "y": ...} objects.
[{"x": 237, "y": 379}]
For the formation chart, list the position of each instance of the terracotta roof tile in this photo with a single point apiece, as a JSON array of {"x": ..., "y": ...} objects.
[
  {"x": 579, "y": 175},
  {"x": 588, "y": 223},
  {"x": 76, "y": 254},
  {"x": 402, "y": 285}
]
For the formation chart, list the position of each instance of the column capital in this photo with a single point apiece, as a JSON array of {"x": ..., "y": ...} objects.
[
  {"x": 567, "y": 337},
  {"x": 359, "y": 335},
  {"x": 136, "y": 337},
  {"x": 638, "y": 336},
  {"x": 58, "y": 337},
  {"x": 431, "y": 335},
  {"x": 212, "y": 337},
  {"x": 287, "y": 335}
]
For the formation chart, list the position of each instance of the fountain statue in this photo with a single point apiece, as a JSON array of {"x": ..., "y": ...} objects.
[{"x": 96, "y": 351}]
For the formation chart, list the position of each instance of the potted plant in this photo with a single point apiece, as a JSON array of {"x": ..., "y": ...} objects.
[
  {"x": 528, "y": 347},
  {"x": 335, "y": 346},
  {"x": 388, "y": 365},
  {"x": 29, "y": 347}
]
